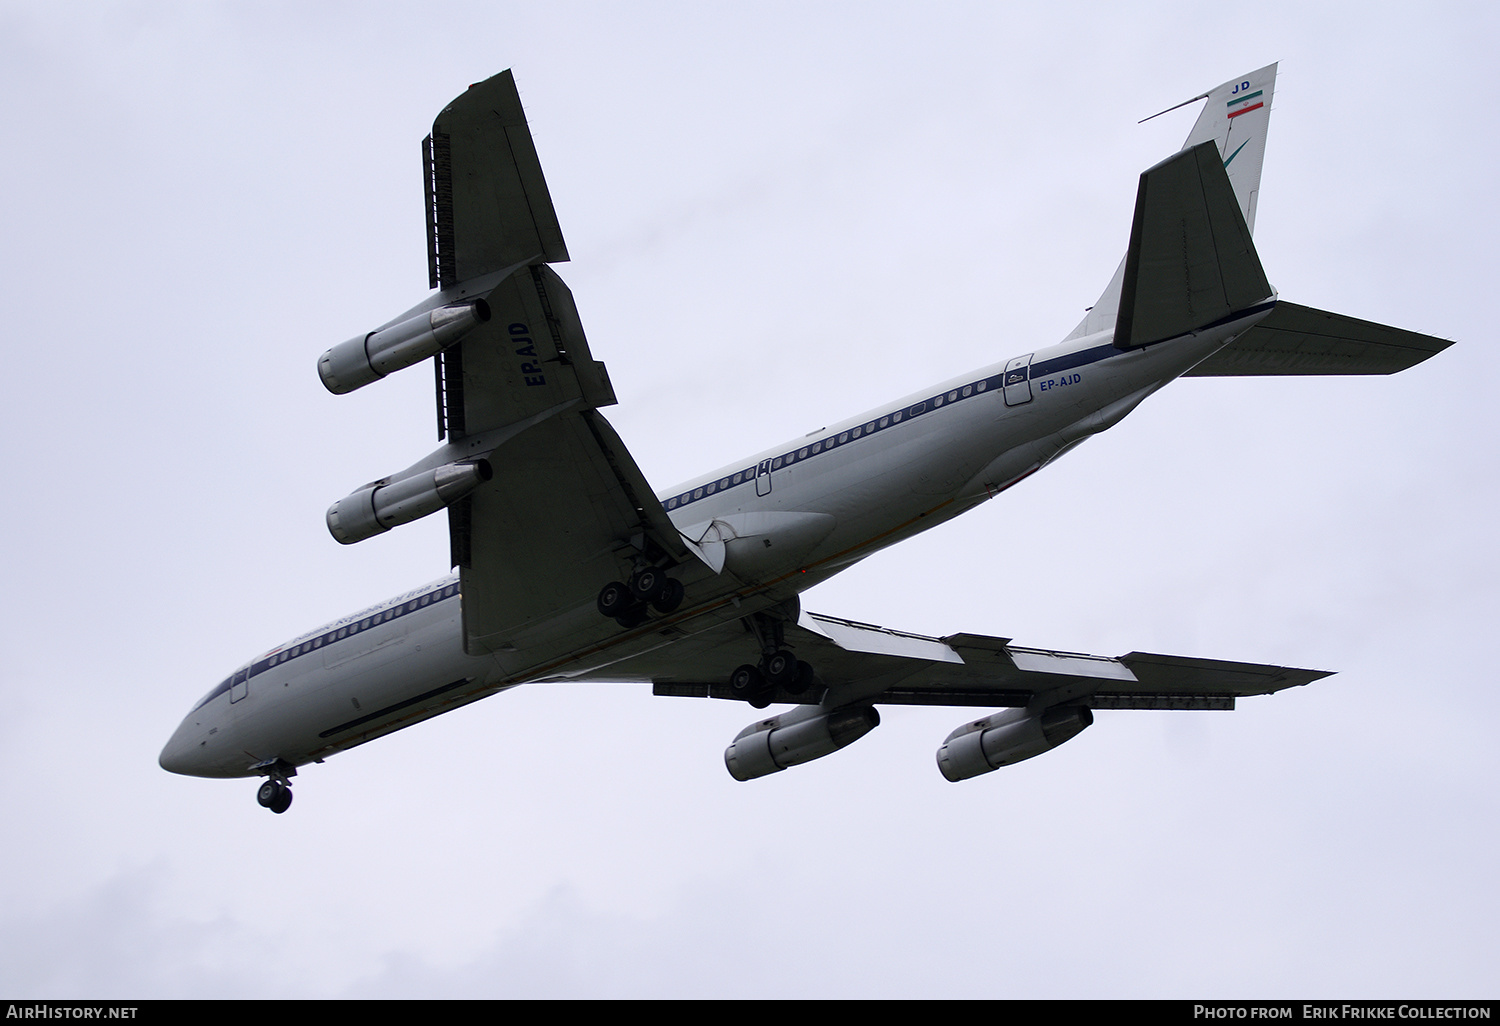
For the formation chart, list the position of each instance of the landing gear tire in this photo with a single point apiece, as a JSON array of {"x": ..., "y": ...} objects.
[
  {"x": 615, "y": 599},
  {"x": 745, "y": 683},
  {"x": 632, "y": 618},
  {"x": 649, "y": 584},
  {"x": 802, "y": 681},
  {"x": 671, "y": 596},
  {"x": 780, "y": 668},
  {"x": 274, "y": 795}
]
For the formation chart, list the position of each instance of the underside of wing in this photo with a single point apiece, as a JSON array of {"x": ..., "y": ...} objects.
[
  {"x": 566, "y": 509},
  {"x": 1295, "y": 339},
  {"x": 862, "y": 663},
  {"x": 1044, "y": 697}
]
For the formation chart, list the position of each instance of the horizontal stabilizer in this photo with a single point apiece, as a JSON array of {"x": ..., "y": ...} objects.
[
  {"x": 1191, "y": 262},
  {"x": 1300, "y": 340}
]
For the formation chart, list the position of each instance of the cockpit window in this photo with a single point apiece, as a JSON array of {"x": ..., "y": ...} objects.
[{"x": 218, "y": 690}]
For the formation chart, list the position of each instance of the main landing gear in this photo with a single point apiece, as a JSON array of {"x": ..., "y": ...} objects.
[
  {"x": 778, "y": 669},
  {"x": 276, "y": 793},
  {"x": 649, "y": 588}
]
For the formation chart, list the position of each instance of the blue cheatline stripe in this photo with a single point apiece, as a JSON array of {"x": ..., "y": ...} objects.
[
  {"x": 889, "y": 420},
  {"x": 806, "y": 452},
  {"x": 348, "y": 629}
]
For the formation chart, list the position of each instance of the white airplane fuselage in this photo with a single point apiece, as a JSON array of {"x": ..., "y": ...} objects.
[{"x": 776, "y": 524}]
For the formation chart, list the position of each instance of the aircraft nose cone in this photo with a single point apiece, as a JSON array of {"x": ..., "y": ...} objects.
[
  {"x": 173, "y": 758},
  {"x": 184, "y": 753}
]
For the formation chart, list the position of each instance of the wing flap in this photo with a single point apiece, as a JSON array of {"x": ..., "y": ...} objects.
[{"x": 1295, "y": 339}]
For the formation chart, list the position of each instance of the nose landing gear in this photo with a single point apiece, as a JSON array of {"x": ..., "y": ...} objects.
[{"x": 276, "y": 793}]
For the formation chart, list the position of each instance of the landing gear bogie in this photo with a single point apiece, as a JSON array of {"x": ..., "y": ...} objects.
[{"x": 629, "y": 605}]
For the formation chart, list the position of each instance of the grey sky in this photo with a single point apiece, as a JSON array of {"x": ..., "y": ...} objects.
[{"x": 779, "y": 215}]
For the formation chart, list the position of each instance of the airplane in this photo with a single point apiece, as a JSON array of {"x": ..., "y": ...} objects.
[{"x": 570, "y": 567}]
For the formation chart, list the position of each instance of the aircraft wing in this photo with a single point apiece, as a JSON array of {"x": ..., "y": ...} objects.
[
  {"x": 862, "y": 663},
  {"x": 566, "y": 505}
]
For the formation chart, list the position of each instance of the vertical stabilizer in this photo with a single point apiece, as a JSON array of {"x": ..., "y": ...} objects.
[{"x": 1235, "y": 118}]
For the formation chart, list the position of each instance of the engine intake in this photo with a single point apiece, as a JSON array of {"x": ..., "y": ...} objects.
[
  {"x": 384, "y": 504},
  {"x": 982, "y": 746},
  {"x": 798, "y": 736},
  {"x": 366, "y": 358}
]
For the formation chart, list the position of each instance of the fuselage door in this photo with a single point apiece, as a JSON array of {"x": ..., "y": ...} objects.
[
  {"x": 1018, "y": 381},
  {"x": 239, "y": 685},
  {"x": 763, "y": 478}
]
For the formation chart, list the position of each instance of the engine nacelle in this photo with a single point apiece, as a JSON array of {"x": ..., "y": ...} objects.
[
  {"x": 798, "y": 736},
  {"x": 366, "y": 358},
  {"x": 378, "y": 507},
  {"x": 1006, "y": 737}
]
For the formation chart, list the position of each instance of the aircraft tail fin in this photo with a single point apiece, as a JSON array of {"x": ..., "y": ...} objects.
[
  {"x": 1191, "y": 262},
  {"x": 1235, "y": 119},
  {"x": 1297, "y": 339}
]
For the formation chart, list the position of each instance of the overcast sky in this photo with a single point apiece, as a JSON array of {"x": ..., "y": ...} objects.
[{"x": 779, "y": 215}]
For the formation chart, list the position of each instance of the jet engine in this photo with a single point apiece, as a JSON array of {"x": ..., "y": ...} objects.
[
  {"x": 384, "y": 504},
  {"x": 798, "y": 736},
  {"x": 366, "y": 358},
  {"x": 1006, "y": 737}
]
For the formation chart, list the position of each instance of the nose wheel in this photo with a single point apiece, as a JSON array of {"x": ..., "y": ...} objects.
[{"x": 276, "y": 793}]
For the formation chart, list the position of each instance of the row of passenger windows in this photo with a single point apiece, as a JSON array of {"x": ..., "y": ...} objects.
[
  {"x": 354, "y": 628},
  {"x": 328, "y": 638},
  {"x": 843, "y": 438}
]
